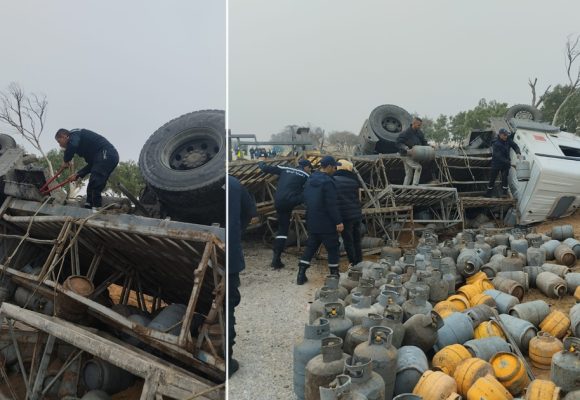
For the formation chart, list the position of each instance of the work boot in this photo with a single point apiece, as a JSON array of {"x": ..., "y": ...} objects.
[
  {"x": 277, "y": 262},
  {"x": 334, "y": 271},
  {"x": 279, "y": 244},
  {"x": 233, "y": 366},
  {"x": 301, "y": 279}
]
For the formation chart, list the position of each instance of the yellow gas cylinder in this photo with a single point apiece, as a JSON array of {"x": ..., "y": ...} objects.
[
  {"x": 484, "y": 284},
  {"x": 509, "y": 370},
  {"x": 435, "y": 385},
  {"x": 482, "y": 298},
  {"x": 556, "y": 324},
  {"x": 540, "y": 389},
  {"x": 542, "y": 348},
  {"x": 577, "y": 294},
  {"x": 445, "y": 308},
  {"x": 460, "y": 302},
  {"x": 477, "y": 277},
  {"x": 488, "y": 388},
  {"x": 449, "y": 357},
  {"x": 468, "y": 371},
  {"x": 488, "y": 329},
  {"x": 468, "y": 291}
]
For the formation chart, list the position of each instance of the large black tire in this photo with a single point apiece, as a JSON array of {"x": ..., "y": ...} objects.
[
  {"x": 184, "y": 163},
  {"x": 524, "y": 111},
  {"x": 6, "y": 142},
  {"x": 388, "y": 120}
]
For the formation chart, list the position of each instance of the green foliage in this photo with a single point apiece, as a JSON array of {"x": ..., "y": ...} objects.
[
  {"x": 569, "y": 116},
  {"x": 477, "y": 118},
  {"x": 127, "y": 173},
  {"x": 55, "y": 157},
  {"x": 439, "y": 131}
]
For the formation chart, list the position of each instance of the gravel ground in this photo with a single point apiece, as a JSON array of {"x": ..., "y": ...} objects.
[{"x": 271, "y": 319}]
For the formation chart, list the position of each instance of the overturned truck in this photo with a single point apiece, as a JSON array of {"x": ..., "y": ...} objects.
[{"x": 94, "y": 304}]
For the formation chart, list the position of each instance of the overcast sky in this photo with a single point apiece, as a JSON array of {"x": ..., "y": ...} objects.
[
  {"x": 120, "y": 68},
  {"x": 330, "y": 62}
]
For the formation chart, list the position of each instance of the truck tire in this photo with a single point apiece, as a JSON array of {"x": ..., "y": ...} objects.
[
  {"x": 184, "y": 163},
  {"x": 6, "y": 142},
  {"x": 524, "y": 111},
  {"x": 388, "y": 120}
]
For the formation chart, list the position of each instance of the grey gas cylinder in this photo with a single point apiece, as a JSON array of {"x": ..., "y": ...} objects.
[
  {"x": 323, "y": 368},
  {"x": 531, "y": 311},
  {"x": 100, "y": 375},
  {"x": 366, "y": 286},
  {"x": 485, "y": 248},
  {"x": 501, "y": 239},
  {"x": 386, "y": 297},
  {"x": 565, "y": 255},
  {"x": 306, "y": 350},
  {"x": 411, "y": 364},
  {"x": 421, "y": 330},
  {"x": 513, "y": 261},
  {"x": 572, "y": 280},
  {"x": 350, "y": 279},
  {"x": 550, "y": 246},
  {"x": 327, "y": 295},
  {"x": 536, "y": 255},
  {"x": 383, "y": 354},
  {"x": 334, "y": 314},
  {"x": 522, "y": 331},
  {"x": 359, "y": 333},
  {"x": 575, "y": 320},
  {"x": 332, "y": 281},
  {"x": 509, "y": 286},
  {"x": 169, "y": 317},
  {"x": 574, "y": 245},
  {"x": 416, "y": 305},
  {"x": 360, "y": 307},
  {"x": 479, "y": 313},
  {"x": 363, "y": 379},
  {"x": 394, "y": 320},
  {"x": 562, "y": 232},
  {"x": 392, "y": 249},
  {"x": 519, "y": 276},
  {"x": 565, "y": 370},
  {"x": 532, "y": 272},
  {"x": 575, "y": 395},
  {"x": 503, "y": 301},
  {"x": 407, "y": 396},
  {"x": 96, "y": 395},
  {"x": 438, "y": 289},
  {"x": 340, "y": 389},
  {"x": 519, "y": 243},
  {"x": 485, "y": 348},
  {"x": 458, "y": 328},
  {"x": 551, "y": 284},
  {"x": 560, "y": 270}
]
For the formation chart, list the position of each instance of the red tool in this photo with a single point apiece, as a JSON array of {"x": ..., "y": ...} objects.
[{"x": 45, "y": 190}]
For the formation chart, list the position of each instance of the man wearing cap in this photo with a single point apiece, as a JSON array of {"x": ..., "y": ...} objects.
[
  {"x": 101, "y": 157},
  {"x": 323, "y": 219},
  {"x": 410, "y": 137},
  {"x": 347, "y": 189},
  {"x": 289, "y": 194},
  {"x": 500, "y": 161}
]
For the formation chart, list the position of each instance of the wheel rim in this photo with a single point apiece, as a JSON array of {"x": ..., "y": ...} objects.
[
  {"x": 392, "y": 125},
  {"x": 524, "y": 114},
  {"x": 187, "y": 152}
]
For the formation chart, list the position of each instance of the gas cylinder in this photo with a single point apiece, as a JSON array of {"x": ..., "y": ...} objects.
[
  {"x": 96, "y": 395},
  {"x": 503, "y": 301},
  {"x": 394, "y": 320},
  {"x": 359, "y": 333},
  {"x": 485, "y": 248},
  {"x": 522, "y": 331},
  {"x": 448, "y": 277},
  {"x": 445, "y": 308},
  {"x": 574, "y": 245},
  {"x": 366, "y": 287},
  {"x": 482, "y": 298},
  {"x": 421, "y": 330},
  {"x": 327, "y": 295},
  {"x": 409, "y": 257},
  {"x": 469, "y": 260},
  {"x": 523, "y": 170},
  {"x": 575, "y": 395},
  {"x": 169, "y": 317},
  {"x": 411, "y": 364},
  {"x": 536, "y": 255},
  {"x": 513, "y": 261},
  {"x": 395, "y": 285},
  {"x": 416, "y": 305},
  {"x": 562, "y": 232},
  {"x": 477, "y": 277},
  {"x": 449, "y": 357},
  {"x": 386, "y": 297},
  {"x": 488, "y": 329},
  {"x": 360, "y": 307},
  {"x": 556, "y": 324},
  {"x": 485, "y": 348},
  {"x": 435, "y": 385},
  {"x": 531, "y": 311},
  {"x": 501, "y": 239},
  {"x": 509, "y": 370},
  {"x": 540, "y": 389},
  {"x": 488, "y": 388},
  {"x": 519, "y": 243},
  {"x": 542, "y": 349},
  {"x": 468, "y": 291},
  {"x": 560, "y": 270},
  {"x": 363, "y": 379},
  {"x": 468, "y": 371},
  {"x": 532, "y": 272},
  {"x": 457, "y": 328},
  {"x": 334, "y": 314},
  {"x": 306, "y": 350},
  {"x": 500, "y": 250},
  {"x": 564, "y": 255},
  {"x": 383, "y": 354},
  {"x": 340, "y": 389},
  {"x": 573, "y": 281},
  {"x": 551, "y": 284},
  {"x": 100, "y": 375},
  {"x": 550, "y": 246},
  {"x": 378, "y": 273},
  {"x": 575, "y": 319},
  {"x": 460, "y": 302},
  {"x": 323, "y": 368},
  {"x": 392, "y": 249},
  {"x": 332, "y": 281},
  {"x": 519, "y": 276},
  {"x": 565, "y": 371},
  {"x": 438, "y": 289},
  {"x": 350, "y": 279},
  {"x": 509, "y": 286}
]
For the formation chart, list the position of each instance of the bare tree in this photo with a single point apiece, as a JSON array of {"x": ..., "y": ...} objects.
[
  {"x": 26, "y": 113},
  {"x": 572, "y": 70},
  {"x": 537, "y": 101}
]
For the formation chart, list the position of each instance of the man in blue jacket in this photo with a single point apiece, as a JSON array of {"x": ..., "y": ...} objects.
[
  {"x": 241, "y": 210},
  {"x": 289, "y": 194},
  {"x": 101, "y": 157},
  {"x": 412, "y": 136},
  {"x": 500, "y": 161},
  {"x": 347, "y": 188},
  {"x": 323, "y": 219}
]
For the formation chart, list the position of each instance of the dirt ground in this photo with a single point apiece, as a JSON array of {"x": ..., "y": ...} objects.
[{"x": 273, "y": 311}]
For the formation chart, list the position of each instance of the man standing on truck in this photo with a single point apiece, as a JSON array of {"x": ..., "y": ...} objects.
[
  {"x": 323, "y": 219},
  {"x": 412, "y": 136},
  {"x": 101, "y": 157},
  {"x": 289, "y": 194},
  {"x": 500, "y": 161}
]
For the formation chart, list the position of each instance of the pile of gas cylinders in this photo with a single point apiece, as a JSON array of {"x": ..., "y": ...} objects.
[{"x": 447, "y": 320}]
